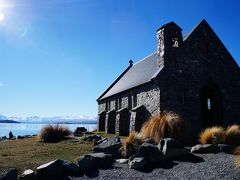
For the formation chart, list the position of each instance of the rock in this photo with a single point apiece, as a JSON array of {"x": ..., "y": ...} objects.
[
  {"x": 10, "y": 175},
  {"x": 4, "y": 137},
  {"x": 100, "y": 141},
  {"x": 57, "y": 169},
  {"x": 148, "y": 155},
  {"x": 94, "y": 161},
  {"x": 171, "y": 148},
  {"x": 137, "y": 163},
  {"x": 50, "y": 170},
  {"x": 226, "y": 148},
  {"x": 121, "y": 161},
  {"x": 92, "y": 138},
  {"x": 110, "y": 146},
  {"x": 205, "y": 148},
  {"x": 20, "y": 137},
  {"x": 28, "y": 175},
  {"x": 70, "y": 169},
  {"x": 150, "y": 152},
  {"x": 79, "y": 131}
]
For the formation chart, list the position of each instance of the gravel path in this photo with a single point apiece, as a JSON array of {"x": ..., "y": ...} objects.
[{"x": 214, "y": 166}]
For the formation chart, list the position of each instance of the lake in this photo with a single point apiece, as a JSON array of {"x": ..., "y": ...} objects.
[{"x": 20, "y": 129}]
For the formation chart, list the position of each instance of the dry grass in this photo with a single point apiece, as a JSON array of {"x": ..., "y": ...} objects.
[
  {"x": 131, "y": 144},
  {"x": 30, "y": 153},
  {"x": 237, "y": 160},
  {"x": 212, "y": 135},
  {"x": 232, "y": 135},
  {"x": 54, "y": 133},
  {"x": 165, "y": 124}
]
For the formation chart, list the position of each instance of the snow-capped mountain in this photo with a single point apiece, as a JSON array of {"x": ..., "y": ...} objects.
[{"x": 56, "y": 119}]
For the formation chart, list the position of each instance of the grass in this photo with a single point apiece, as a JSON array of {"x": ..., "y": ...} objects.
[
  {"x": 54, "y": 133},
  {"x": 212, "y": 135},
  {"x": 30, "y": 153},
  {"x": 232, "y": 135}
]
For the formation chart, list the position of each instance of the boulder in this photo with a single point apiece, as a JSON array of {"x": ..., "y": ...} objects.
[
  {"x": 150, "y": 152},
  {"x": 28, "y": 175},
  {"x": 148, "y": 155},
  {"x": 79, "y": 131},
  {"x": 171, "y": 148},
  {"x": 10, "y": 175},
  {"x": 137, "y": 163},
  {"x": 70, "y": 169},
  {"x": 57, "y": 169},
  {"x": 100, "y": 141},
  {"x": 110, "y": 146},
  {"x": 92, "y": 138},
  {"x": 121, "y": 161},
  {"x": 94, "y": 161},
  {"x": 50, "y": 170},
  {"x": 20, "y": 137},
  {"x": 205, "y": 148},
  {"x": 226, "y": 148}
]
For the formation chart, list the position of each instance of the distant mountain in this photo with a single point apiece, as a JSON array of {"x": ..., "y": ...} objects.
[
  {"x": 53, "y": 120},
  {"x": 8, "y": 121}
]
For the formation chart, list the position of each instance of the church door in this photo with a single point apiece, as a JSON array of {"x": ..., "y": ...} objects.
[{"x": 210, "y": 105}]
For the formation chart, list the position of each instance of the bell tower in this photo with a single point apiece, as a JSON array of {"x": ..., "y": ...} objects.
[{"x": 169, "y": 41}]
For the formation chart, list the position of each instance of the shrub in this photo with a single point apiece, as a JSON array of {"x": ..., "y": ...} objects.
[
  {"x": 237, "y": 160},
  {"x": 54, "y": 133},
  {"x": 131, "y": 144},
  {"x": 163, "y": 125},
  {"x": 212, "y": 135},
  {"x": 232, "y": 135}
]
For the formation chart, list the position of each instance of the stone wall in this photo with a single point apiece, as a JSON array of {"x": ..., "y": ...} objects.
[{"x": 147, "y": 95}]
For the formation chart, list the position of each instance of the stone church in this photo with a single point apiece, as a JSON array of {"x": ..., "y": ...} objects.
[{"x": 193, "y": 75}]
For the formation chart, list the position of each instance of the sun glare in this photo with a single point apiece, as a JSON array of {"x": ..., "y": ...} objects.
[{"x": 2, "y": 17}]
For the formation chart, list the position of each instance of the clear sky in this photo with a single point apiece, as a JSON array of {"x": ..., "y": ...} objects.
[{"x": 58, "y": 56}]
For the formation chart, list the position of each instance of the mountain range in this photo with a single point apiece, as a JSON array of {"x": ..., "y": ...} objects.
[{"x": 56, "y": 119}]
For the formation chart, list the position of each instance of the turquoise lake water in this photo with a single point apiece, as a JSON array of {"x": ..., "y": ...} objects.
[{"x": 20, "y": 129}]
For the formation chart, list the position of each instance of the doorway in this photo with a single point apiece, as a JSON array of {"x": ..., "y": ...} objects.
[{"x": 210, "y": 105}]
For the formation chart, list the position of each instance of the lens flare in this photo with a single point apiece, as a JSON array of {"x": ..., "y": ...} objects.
[{"x": 2, "y": 17}]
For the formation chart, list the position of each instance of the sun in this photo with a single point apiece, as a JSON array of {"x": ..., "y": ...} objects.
[{"x": 2, "y": 17}]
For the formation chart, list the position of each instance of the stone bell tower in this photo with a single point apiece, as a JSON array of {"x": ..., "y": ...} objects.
[{"x": 169, "y": 42}]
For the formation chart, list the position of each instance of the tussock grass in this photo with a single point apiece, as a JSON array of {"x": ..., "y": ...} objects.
[
  {"x": 237, "y": 159},
  {"x": 131, "y": 144},
  {"x": 232, "y": 135},
  {"x": 212, "y": 135},
  {"x": 54, "y": 133},
  {"x": 163, "y": 125}
]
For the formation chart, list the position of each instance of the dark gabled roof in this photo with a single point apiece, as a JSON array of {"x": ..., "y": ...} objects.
[
  {"x": 143, "y": 71},
  {"x": 140, "y": 73}
]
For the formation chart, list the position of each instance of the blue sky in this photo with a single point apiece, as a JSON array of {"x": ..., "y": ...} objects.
[{"x": 58, "y": 56}]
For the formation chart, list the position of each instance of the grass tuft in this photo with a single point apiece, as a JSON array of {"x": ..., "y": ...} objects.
[
  {"x": 131, "y": 144},
  {"x": 212, "y": 135},
  {"x": 54, "y": 133},
  {"x": 232, "y": 135},
  {"x": 163, "y": 125}
]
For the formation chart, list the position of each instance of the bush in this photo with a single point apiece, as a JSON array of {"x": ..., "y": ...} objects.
[
  {"x": 163, "y": 125},
  {"x": 232, "y": 135},
  {"x": 131, "y": 144},
  {"x": 212, "y": 135},
  {"x": 54, "y": 133}
]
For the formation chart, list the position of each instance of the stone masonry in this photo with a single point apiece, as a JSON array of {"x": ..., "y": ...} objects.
[{"x": 194, "y": 76}]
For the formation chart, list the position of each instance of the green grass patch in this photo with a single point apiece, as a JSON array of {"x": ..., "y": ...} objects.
[{"x": 30, "y": 153}]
